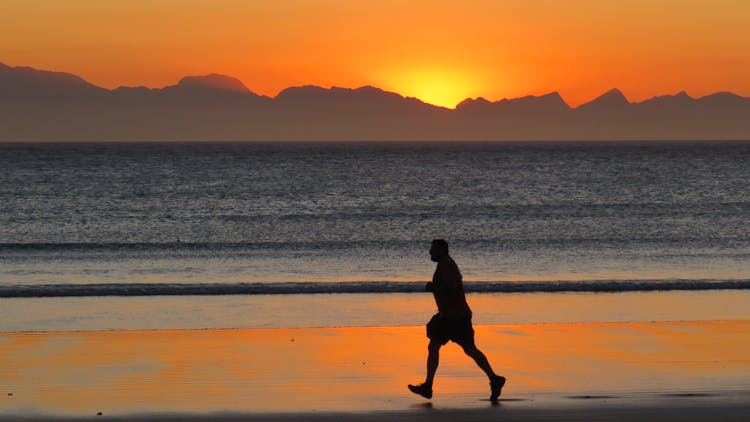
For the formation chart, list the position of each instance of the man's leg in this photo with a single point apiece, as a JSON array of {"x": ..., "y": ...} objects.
[
  {"x": 433, "y": 359},
  {"x": 496, "y": 382},
  {"x": 480, "y": 359}
]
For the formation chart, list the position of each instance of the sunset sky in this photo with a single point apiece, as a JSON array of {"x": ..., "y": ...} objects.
[{"x": 438, "y": 51}]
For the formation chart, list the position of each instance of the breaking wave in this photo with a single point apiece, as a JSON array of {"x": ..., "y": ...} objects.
[{"x": 211, "y": 289}]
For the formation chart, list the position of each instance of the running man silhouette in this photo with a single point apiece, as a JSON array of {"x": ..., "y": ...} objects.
[{"x": 452, "y": 322}]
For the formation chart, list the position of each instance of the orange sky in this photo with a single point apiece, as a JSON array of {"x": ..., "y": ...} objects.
[{"x": 438, "y": 51}]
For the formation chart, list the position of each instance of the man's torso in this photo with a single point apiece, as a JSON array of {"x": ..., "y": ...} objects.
[{"x": 448, "y": 290}]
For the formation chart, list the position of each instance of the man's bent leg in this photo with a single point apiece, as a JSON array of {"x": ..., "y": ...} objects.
[
  {"x": 480, "y": 359},
  {"x": 496, "y": 382}
]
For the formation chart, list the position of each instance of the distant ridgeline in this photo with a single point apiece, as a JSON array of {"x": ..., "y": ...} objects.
[{"x": 40, "y": 105}]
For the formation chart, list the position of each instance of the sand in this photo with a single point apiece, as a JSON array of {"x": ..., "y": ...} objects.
[{"x": 586, "y": 371}]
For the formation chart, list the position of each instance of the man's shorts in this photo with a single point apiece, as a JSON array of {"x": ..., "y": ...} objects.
[{"x": 456, "y": 330}]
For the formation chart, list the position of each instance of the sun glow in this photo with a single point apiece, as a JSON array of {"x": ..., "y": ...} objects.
[{"x": 444, "y": 88}]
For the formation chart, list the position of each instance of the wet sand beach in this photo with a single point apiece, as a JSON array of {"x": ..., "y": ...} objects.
[{"x": 582, "y": 371}]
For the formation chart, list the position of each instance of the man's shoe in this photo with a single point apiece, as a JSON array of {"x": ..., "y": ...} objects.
[
  {"x": 423, "y": 390},
  {"x": 496, "y": 385}
]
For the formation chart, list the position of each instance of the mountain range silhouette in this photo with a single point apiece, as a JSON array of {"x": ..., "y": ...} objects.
[{"x": 38, "y": 105}]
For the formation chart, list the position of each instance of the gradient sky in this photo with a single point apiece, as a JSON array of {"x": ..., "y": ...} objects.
[{"x": 438, "y": 51}]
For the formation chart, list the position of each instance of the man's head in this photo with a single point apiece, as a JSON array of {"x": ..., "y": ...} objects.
[{"x": 438, "y": 250}]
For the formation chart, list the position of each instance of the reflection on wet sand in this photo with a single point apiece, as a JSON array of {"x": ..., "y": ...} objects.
[{"x": 359, "y": 369}]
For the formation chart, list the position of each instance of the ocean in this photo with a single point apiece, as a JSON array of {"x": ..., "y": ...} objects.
[{"x": 228, "y": 235}]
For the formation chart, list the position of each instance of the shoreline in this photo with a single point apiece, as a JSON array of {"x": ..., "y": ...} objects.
[
  {"x": 361, "y": 310},
  {"x": 677, "y": 369}
]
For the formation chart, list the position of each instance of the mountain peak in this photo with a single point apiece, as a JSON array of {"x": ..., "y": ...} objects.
[
  {"x": 315, "y": 93},
  {"x": 556, "y": 99},
  {"x": 470, "y": 103},
  {"x": 681, "y": 98},
  {"x": 551, "y": 101},
  {"x": 214, "y": 81},
  {"x": 35, "y": 76},
  {"x": 27, "y": 82},
  {"x": 614, "y": 94},
  {"x": 614, "y": 98},
  {"x": 302, "y": 91},
  {"x": 722, "y": 94}
]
